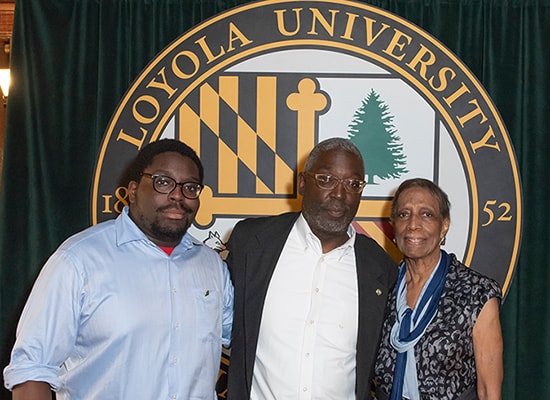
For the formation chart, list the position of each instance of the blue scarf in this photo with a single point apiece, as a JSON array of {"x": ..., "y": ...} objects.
[{"x": 402, "y": 338}]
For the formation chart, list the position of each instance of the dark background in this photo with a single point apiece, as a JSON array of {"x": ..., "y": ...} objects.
[{"x": 72, "y": 60}]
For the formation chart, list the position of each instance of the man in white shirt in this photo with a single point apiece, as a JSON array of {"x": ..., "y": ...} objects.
[
  {"x": 132, "y": 308},
  {"x": 310, "y": 292}
]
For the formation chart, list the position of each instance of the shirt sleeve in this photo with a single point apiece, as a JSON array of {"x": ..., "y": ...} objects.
[
  {"x": 227, "y": 318},
  {"x": 47, "y": 328}
]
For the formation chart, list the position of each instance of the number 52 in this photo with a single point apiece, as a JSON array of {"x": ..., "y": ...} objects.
[{"x": 504, "y": 215}]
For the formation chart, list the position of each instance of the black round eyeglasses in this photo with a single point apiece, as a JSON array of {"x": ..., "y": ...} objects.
[{"x": 166, "y": 185}]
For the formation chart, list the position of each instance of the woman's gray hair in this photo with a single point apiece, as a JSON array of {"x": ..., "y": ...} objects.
[{"x": 436, "y": 191}]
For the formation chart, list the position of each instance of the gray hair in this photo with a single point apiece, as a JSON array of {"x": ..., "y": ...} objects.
[
  {"x": 331, "y": 144},
  {"x": 436, "y": 191}
]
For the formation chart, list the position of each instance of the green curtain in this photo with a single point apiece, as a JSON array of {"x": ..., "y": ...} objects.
[{"x": 72, "y": 60}]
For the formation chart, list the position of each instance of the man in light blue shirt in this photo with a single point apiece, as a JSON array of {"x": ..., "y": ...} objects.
[{"x": 132, "y": 308}]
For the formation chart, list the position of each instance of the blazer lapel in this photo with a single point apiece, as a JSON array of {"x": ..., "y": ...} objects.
[
  {"x": 259, "y": 266},
  {"x": 373, "y": 292}
]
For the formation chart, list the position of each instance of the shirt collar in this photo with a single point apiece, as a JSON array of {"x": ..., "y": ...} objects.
[
  {"x": 127, "y": 231},
  {"x": 308, "y": 238}
]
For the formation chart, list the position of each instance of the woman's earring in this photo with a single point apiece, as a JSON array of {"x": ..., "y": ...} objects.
[{"x": 443, "y": 240}]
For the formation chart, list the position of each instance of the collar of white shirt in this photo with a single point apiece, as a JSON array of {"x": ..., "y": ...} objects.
[{"x": 308, "y": 239}]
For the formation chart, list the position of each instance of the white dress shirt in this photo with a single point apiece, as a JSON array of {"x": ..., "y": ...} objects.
[{"x": 308, "y": 333}]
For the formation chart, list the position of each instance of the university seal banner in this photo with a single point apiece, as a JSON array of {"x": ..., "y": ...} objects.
[{"x": 253, "y": 89}]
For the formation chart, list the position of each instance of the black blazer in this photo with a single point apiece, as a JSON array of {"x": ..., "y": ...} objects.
[{"x": 254, "y": 248}]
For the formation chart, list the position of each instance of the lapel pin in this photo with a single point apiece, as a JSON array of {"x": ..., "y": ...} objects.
[{"x": 378, "y": 292}]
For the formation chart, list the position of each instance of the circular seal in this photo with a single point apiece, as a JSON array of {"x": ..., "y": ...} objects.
[{"x": 253, "y": 89}]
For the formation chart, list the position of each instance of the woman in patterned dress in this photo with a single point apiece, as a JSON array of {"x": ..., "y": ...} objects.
[{"x": 442, "y": 338}]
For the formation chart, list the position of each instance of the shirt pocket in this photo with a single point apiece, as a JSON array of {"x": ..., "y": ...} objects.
[{"x": 208, "y": 316}]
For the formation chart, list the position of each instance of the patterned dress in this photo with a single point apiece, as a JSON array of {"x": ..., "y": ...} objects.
[{"x": 445, "y": 354}]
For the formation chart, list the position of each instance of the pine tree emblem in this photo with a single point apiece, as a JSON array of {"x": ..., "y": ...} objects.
[{"x": 374, "y": 134}]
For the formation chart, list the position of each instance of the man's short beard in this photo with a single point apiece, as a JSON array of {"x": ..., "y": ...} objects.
[
  {"x": 168, "y": 235},
  {"x": 322, "y": 225}
]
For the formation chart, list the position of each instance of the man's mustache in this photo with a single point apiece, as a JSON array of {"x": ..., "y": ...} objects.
[{"x": 175, "y": 206}]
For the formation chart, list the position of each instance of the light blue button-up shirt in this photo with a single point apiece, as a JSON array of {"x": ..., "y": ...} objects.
[{"x": 112, "y": 316}]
